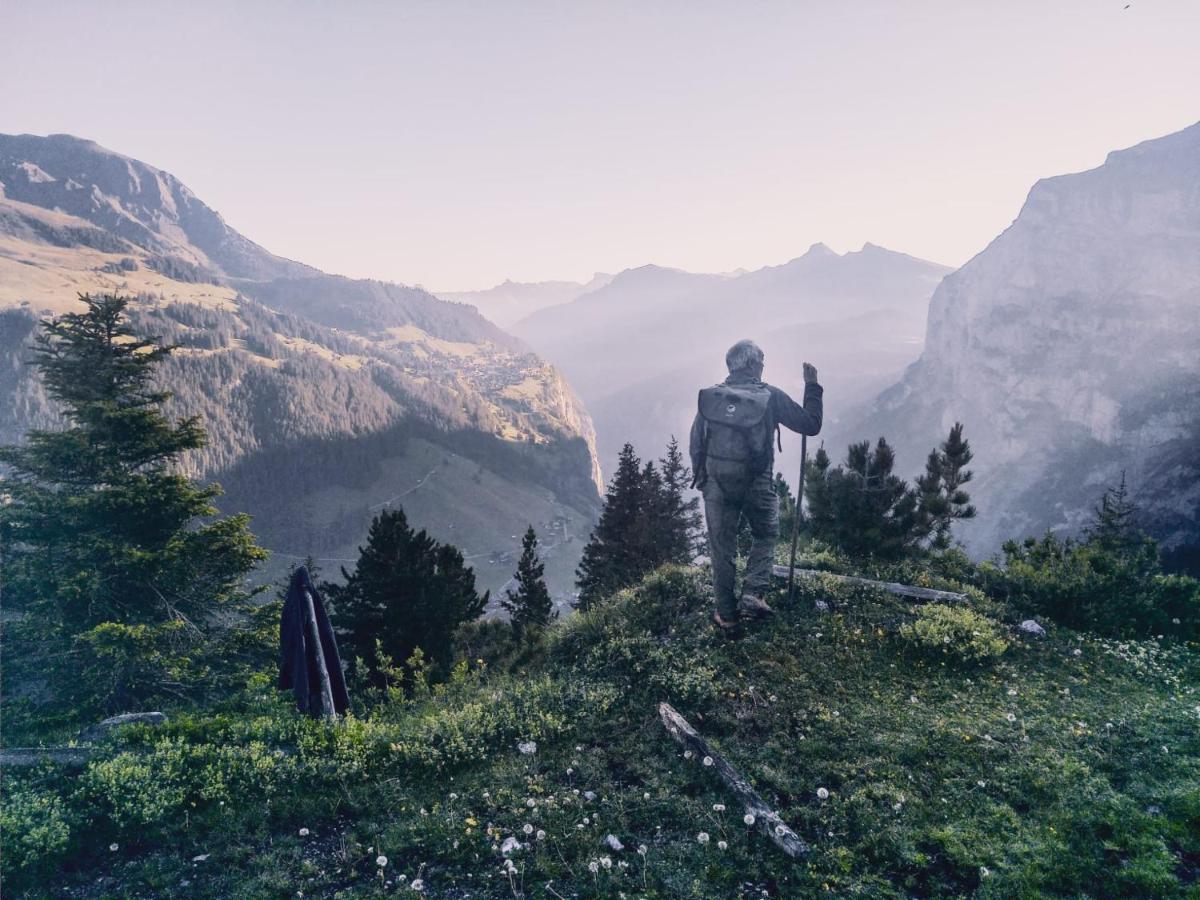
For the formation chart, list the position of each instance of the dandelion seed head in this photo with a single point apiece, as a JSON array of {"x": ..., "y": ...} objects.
[
  {"x": 702, "y": 837},
  {"x": 381, "y": 861},
  {"x": 748, "y": 818},
  {"x": 823, "y": 793}
]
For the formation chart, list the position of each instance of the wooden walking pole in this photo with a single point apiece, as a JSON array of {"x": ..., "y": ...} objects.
[
  {"x": 328, "y": 710},
  {"x": 796, "y": 517}
]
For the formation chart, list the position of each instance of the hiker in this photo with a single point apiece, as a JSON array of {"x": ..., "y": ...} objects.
[{"x": 732, "y": 448}]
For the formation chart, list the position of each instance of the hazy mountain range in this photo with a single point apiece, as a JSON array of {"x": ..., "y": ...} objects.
[
  {"x": 639, "y": 348},
  {"x": 1070, "y": 349},
  {"x": 508, "y": 303},
  {"x": 325, "y": 398}
]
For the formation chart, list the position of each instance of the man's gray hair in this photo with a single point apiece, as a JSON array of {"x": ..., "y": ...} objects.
[{"x": 743, "y": 354}]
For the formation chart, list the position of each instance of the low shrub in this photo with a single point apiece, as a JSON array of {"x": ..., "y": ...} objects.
[{"x": 954, "y": 632}]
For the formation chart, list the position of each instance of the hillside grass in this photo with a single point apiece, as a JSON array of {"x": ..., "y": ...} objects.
[{"x": 992, "y": 764}]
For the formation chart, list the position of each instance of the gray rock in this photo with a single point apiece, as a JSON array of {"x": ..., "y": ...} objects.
[
  {"x": 1031, "y": 627},
  {"x": 823, "y": 606}
]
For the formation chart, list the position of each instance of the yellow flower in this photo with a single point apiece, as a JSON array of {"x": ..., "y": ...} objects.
[{"x": 471, "y": 820}]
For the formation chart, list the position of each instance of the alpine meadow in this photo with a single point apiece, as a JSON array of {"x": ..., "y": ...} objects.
[{"x": 655, "y": 556}]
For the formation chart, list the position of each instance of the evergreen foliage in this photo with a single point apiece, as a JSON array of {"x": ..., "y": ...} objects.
[
  {"x": 407, "y": 591},
  {"x": 861, "y": 506},
  {"x": 530, "y": 607},
  {"x": 1112, "y": 582},
  {"x": 123, "y": 579},
  {"x": 646, "y": 522},
  {"x": 940, "y": 495}
]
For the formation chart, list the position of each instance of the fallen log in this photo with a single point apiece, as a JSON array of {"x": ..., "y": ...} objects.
[
  {"x": 892, "y": 587},
  {"x": 76, "y": 756},
  {"x": 765, "y": 818}
]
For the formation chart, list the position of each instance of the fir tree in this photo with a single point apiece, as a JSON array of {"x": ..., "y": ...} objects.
[
  {"x": 1114, "y": 521},
  {"x": 679, "y": 525},
  {"x": 611, "y": 557},
  {"x": 941, "y": 499},
  {"x": 861, "y": 506},
  {"x": 113, "y": 556},
  {"x": 530, "y": 607},
  {"x": 406, "y": 591}
]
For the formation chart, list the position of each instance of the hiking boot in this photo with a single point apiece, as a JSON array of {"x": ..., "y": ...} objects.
[
  {"x": 727, "y": 627},
  {"x": 753, "y": 607}
]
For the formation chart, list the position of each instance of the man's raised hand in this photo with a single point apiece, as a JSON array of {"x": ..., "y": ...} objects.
[{"x": 810, "y": 373}]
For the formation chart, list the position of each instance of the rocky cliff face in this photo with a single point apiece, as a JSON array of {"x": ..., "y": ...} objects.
[
  {"x": 1070, "y": 349},
  {"x": 325, "y": 398}
]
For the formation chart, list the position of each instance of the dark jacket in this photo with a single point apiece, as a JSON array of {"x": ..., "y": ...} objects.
[
  {"x": 297, "y": 654},
  {"x": 782, "y": 410}
]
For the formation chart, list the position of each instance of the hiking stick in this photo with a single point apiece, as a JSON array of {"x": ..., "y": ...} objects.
[{"x": 796, "y": 517}]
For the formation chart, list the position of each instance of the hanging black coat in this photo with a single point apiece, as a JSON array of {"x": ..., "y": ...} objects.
[{"x": 297, "y": 653}]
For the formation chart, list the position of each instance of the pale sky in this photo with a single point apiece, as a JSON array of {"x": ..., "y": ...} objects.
[{"x": 456, "y": 144}]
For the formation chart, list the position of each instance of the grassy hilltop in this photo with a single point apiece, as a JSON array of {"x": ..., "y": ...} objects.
[{"x": 959, "y": 757}]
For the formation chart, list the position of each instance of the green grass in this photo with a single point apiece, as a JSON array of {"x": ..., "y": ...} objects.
[{"x": 1067, "y": 765}]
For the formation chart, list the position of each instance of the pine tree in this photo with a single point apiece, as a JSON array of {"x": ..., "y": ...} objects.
[
  {"x": 1114, "y": 521},
  {"x": 114, "y": 558},
  {"x": 787, "y": 505},
  {"x": 679, "y": 525},
  {"x": 406, "y": 591},
  {"x": 941, "y": 499},
  {"x": 611, "y": 557},
  {"x": 530, "y": 607},
  {"x": 861, "y": 506}
]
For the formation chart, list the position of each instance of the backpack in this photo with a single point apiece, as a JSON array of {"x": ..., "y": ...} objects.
[{"x": 737, "y": 434}]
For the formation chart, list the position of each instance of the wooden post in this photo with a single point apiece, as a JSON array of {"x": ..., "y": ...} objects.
[
  {"x": 765, "y": 818},
  {"x": 892, "y": 587},
  {"x": 328, "y": 710}
]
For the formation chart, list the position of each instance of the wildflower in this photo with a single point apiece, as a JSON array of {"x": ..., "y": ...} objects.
[
  {"x": 1012, "y": 717},
  {"x": 984, "y": 871},
  {"x": 1077, "y": 652},
  {"x": 687, "y": 754},
  {"x": 424, "y": 811},
  {"x": 748, "y": 818},
  {"x": 453, "y": 796},
  {"x": 528, "y": 829},
  {"x": 646, "y": 796},
  {"x": 718, "y": 807},
  {"x": 531, "y": 803},
  {"x": 417, "y": 884},
  {"x": 708, "y": 760},
  {"x": 606, "y": 861},
  {"x": 823, "y": 793},
  {"x": 982, "y": 784},
  {"x": 304, "y": 832},
  {"x": 527, "y": 747},
  {"x": 1012, "y": 692},
  {"x": 773, "y": 698},
  {"x": 114, "y": 847},
  {"x": 381, "y": 861},
  {"x": 702, "y": 837},
  {"x": 721, "y": 845},
  {"x": 593, "y": 867},
  {"x": 570, "y": 771},
  {"x": 780, "y": 830},
  {"x": 541, "y": 835}
]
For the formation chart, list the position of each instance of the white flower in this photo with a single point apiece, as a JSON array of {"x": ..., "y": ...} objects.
[
  {"x": 984, "y": 871},
  {"x": 702, "y": 837},
  {"x": 708, "y": 760},
  {"x": 1012, "y": 692},
  {"x": 381, "y": 861},
  {"x": 531, "y": 803},
  {"x": 453, "y": 796},
  {"x": 1012, "y": 717},
  {"x": 643, "y": 849},
  {"x": 528, "y": 829},
  {"x": 687, "y": 754},
  {"x": 304, "y": 832},
  {"x": 417, "y": 884},
  {"x": 527, "y": 747},
  {"x": 982, "y": 784},
  {"x": 570, "y": 771},
  {"x": 541, "y": 835},
  {"x": 748, "y": 819},
  {"x": 606, "y": 862},
  {"x": 718, "y": 807},
  {"x": 1077, "y": 652},
  {"x": 721, "y": 845},
  {"x": 773, "y": 698},
  {"x": 780, "y": 830},
  {"x": 593, "y": 867},
  {"x": 114, "y": 847},
  {"x": 646, "y": 796},
  {"x": 823, "y": 793}
]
